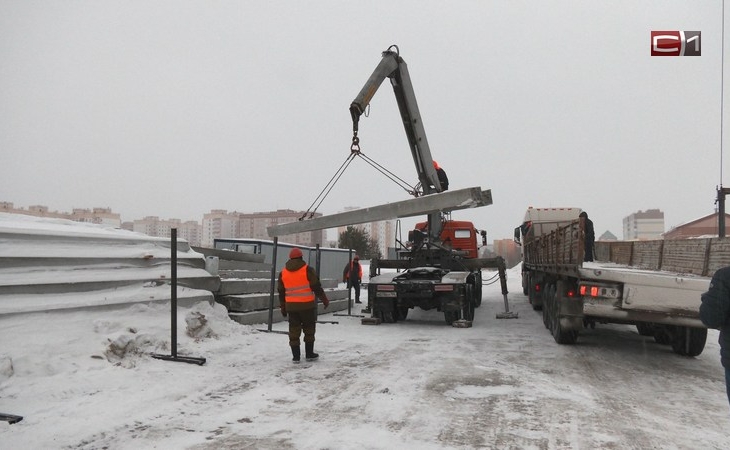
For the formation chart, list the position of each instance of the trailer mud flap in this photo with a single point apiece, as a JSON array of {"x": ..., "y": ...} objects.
[
  {"x": 571, "y": 323},
  {"x": 571, "y": 313}
]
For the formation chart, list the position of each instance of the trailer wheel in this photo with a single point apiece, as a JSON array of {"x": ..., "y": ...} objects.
[
  {"x": 526, "y": 284},
  {"x": 532, "y": 297},
  {"x": 662, "y": 334},
  {"x": 689, "y": 341},
  {"x": 561, "y": 336},
  {"x": 546, "y": 308},
  {"x": 645, "y": 329}
]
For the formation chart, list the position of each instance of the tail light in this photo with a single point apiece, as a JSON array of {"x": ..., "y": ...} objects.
[
  {"x": 385, "y": 287},
  {"x": 443, "y": 288},
  {"x": 595, "y": 290}
]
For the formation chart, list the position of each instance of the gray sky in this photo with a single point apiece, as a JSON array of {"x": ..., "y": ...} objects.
[{"x": 174, "y": 108}]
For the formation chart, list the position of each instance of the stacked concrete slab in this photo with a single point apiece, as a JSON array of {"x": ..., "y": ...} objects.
[
  {"x": 53, "y": 264},
  {"x": 48, "y": 264},
  {"x": 246, "y": 286}
]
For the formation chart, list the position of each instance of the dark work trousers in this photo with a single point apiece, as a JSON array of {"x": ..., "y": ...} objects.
[
  {"x": 589, "y": 252},
  {"x": 356, "y": 285},
  {"x": 302, "y": 321}
]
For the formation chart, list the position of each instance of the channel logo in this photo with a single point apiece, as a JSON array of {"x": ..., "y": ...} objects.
[{"x": 676, "y": 43}]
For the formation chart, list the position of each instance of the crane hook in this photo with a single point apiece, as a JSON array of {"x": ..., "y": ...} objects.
[{"x": 355, "y": 147}]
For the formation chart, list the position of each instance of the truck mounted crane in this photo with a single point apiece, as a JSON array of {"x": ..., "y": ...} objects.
[{"x": 441, "y": 267}]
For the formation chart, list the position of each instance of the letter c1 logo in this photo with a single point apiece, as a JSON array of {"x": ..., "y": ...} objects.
[{"x": 676, "y": 43}]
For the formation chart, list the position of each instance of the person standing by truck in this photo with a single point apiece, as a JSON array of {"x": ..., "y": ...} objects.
[
  {"x": 590, "y": 236},
  {"x": 352, "y": 275},
  {"x": 715, "y": 313},
  {"x": 299, "y": 287}
]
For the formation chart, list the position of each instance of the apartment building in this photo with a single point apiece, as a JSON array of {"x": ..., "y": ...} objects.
[
  {"x": 189, "y": 230},
  {"x": 219, "y": 223},
  {"x": 224, "y": 224},
  {"x": 99, "y": 216},
  {"x": 644, "y": 225}
]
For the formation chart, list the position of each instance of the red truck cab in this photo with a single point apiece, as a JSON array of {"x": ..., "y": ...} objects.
[{"x": 458, "y": 235}]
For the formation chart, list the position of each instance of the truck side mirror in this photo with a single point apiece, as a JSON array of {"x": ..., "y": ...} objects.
[
  {"x": 484, "y": 237},
  {"x": 518, "y": 232}
]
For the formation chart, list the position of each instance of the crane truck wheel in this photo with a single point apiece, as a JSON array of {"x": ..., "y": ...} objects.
[
  {"x": 561, "y": 336},
  {"x": 451, "y": 316},
  {"x": 474, "y": 282},
  {"x": 478, "y": 293},
  {"x": 386, "y": 315},
  {"x": 688, "y": 341},
  {"x": 402, "y": 312},
  {"x": 467, "y": 312}
]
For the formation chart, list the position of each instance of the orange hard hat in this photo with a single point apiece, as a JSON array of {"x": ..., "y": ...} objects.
[
  {"x": 295, "y": 253},
  {"x": 356, "y": 258},
  {"x": 435, "y": 165}
]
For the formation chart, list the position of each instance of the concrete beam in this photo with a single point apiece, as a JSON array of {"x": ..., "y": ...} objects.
[{"x": 445, "y": 201}]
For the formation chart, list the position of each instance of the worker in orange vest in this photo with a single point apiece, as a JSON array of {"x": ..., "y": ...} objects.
[
  {"x": 352, "y": 275},
  {"x": 299, "y": 287}
]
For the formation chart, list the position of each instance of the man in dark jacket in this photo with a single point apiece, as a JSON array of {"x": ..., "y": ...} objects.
[
  {"x": 443, "y": 178},
  {"x": 299, "y": 287},
  {"x": 352, "y": 275},
  {"x": 715, "y": 313},
  {"x": 590, "y": 236}
]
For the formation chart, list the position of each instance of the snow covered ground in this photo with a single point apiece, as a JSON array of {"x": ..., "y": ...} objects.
[{"x": 85, "y": 380}]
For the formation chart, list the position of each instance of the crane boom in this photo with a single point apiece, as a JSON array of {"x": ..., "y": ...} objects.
[{"x": 392, "y": 66}]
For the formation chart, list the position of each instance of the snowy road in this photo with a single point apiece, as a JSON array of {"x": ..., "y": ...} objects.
[{"x": 420, "y": 384}]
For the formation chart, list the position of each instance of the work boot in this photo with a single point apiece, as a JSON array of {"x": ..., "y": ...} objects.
[
  {"x": 358, "y": 301},
  {"x": 296, "y": 354},
  {"x": 309, "y": 348}
]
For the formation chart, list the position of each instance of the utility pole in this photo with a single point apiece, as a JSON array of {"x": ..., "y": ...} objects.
[{"x": 721, "y": 193}]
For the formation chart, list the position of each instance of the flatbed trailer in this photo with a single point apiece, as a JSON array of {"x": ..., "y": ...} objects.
[{"x": 655, "y": 285}]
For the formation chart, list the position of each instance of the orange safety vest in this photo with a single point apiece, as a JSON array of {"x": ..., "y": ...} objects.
[
  {"x": 349, "y": 267},
  {"x": 296, "y": 286}
]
